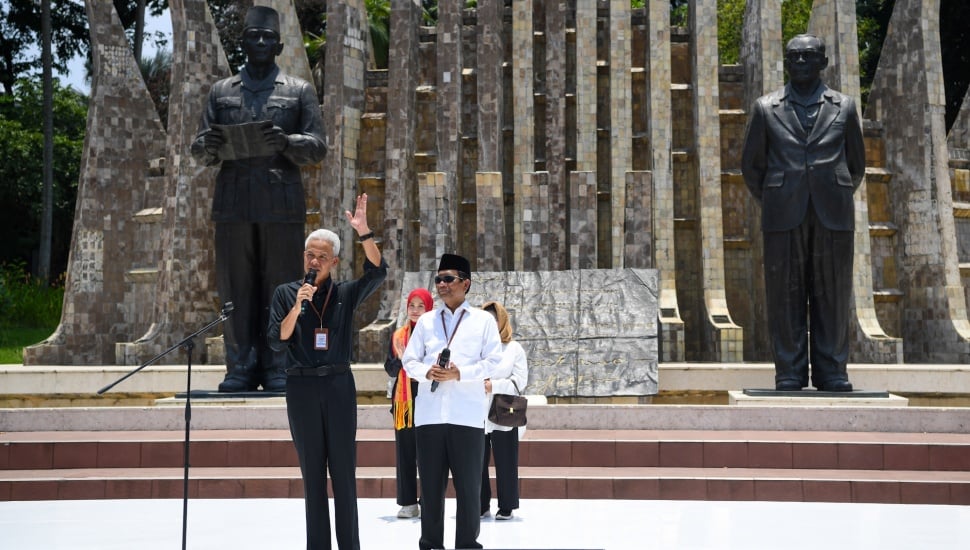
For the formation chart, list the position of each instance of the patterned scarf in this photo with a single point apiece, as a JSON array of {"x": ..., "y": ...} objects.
[{"x": 403, "y": 400}]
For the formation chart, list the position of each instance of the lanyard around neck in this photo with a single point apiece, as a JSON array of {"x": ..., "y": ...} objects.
[
  {"x": 324, "y": 308},
  {"x": 445, "y": 328}
]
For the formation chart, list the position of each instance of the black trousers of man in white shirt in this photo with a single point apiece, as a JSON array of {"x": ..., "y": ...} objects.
[{"x": 460, "y": 449}]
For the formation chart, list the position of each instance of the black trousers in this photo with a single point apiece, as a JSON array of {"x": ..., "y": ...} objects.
[
  {"x": 406, "y": 466},
  {"x": 459, "y": 449},
  {"x": 808, "y": 283},
  {"x": 252, "y": 259},
  {"x": 504, "y": 448},
  {"x": 323, "y": 423}
]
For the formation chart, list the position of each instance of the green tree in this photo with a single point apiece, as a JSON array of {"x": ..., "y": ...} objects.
[{"x": 21, "y": 156}]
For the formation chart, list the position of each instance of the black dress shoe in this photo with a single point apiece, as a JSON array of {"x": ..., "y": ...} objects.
[
  {"x": 788, "y": 385},
  {"x": 836, "y": 385}
]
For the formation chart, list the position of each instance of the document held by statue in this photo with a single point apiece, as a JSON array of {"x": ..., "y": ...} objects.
[{"x": 241, "y": 141}]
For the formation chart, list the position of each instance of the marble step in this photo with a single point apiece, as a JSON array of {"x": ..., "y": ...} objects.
[{"x": 635, "y": 483}]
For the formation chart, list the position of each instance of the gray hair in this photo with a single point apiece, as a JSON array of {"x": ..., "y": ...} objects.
[{"x": 324, "y": 235}]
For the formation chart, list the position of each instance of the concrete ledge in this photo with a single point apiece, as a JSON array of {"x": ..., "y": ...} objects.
[
  {"x": 370, "y": 377},
  {"x": 547, "y": 417},
  {"x": 739, "y": 398}
]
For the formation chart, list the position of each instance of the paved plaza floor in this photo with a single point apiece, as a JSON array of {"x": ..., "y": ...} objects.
[{"x": 277, "y": 524}]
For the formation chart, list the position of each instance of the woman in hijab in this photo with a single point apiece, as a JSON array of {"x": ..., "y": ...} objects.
[
  {"x": 402, "y": 406},
  {"x": 511, "y": 376}
]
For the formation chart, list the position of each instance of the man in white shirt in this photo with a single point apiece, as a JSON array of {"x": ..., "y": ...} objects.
[{"x": 451, "y": 404}]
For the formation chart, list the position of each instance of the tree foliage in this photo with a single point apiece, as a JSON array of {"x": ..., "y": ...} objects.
[
  {"x": 21, "y": 156},
  {"x": 20, "y": 37}
]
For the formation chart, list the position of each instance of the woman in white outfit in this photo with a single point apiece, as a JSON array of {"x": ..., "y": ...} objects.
[{"x": 503, "y": 441}]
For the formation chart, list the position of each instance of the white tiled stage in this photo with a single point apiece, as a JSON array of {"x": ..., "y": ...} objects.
[{"x": 277, "y": 524}]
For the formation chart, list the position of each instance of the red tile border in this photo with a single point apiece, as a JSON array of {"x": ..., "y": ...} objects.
[
  {"x": 593, "y": 454},
  {"x": 589, "y": 488},
  {"x": 637, "y": 454},
  {"x": 769, "y": 455},
  {"x": 821, "y": 456},
  {"x": 119, "y": 454},
  {"x": 730, "y": 489},
  {"x": 860, "y": 456},
  {"x": 636, "y": 489},
  {"x": 681, "y": 454},
  {"x": 826, "y": 491},
  {"x": 30, "y": 456},
  {"x": 725, "y": 454},
  {"x": 779, "y": 490},
  {"x": 683, "y": 489},
  {"x": 906, "y": 456},
  {"x": 128, "y": 488},
  {"x": 33, "y": 490},
  {"x": 917, "y": 492},
  {"x": 543, "y": 487},
  {"x": 885, "y": 492}
]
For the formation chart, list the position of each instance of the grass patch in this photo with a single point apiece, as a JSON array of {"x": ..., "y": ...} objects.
[
  {"x": 14, "y": 340},
  {"x": 29, "y": 311}
]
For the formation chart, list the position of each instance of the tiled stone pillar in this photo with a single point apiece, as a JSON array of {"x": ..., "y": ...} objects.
[
  {"x": 523, "y": 124},
  {"x": 555, "y": 132},
  {"x": 293, "y": 61},
  {"x": 438, "y": 213},
  {"x": 834, "y": 21},
  {"x": 935, "y": 327},
  {"x": 582, "y": 220},
  {"x": 99, "y": 308},
  {"x": 187, "y": 297},
  {"x": 343, "y": 105},
  {"x": 660, "y": 128},
  {"x": 449, "y": 123},
  {"x": 958, "y": 144},
  {"x": 491, "y": 220},
  {"x": 400, "y": 179},
  {"x": 491, "y": 94},
  {"x": 621, "y": 117},
  {"x": 762, "y": 56},
  {"x": 536, "y": 221},
  {"x": 638, "y": 220},
  {"x": 586, "y": 86},
  {"x": 721, "y": 335}
]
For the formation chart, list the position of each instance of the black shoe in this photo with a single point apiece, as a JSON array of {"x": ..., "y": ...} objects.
[
  {"x": 836, "y": 385},
  {"x": 238, "y": 379},
  {"x": 274, "y": 380},
  {"x": 788, "y": 385},
  {"x": 503, "y": 515}
]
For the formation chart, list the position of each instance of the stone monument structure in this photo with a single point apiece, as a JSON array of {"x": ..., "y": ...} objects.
[{"x": 529, "y": 137}]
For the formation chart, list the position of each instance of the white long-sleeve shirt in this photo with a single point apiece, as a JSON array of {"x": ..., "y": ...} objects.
[
  {"x": 513, "y": 366},
  {"x": 476, "y": 350}
]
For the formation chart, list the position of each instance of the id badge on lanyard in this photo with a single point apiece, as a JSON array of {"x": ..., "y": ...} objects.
[
  {"x": 321, "y": 339},
  {"x": 321, "y": 335}
]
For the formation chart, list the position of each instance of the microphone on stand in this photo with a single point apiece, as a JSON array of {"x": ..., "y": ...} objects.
[
  {"x": 311, "y": 277},
  {"x": 443, "y": 359},
  {"x": 226, "y": 310}
]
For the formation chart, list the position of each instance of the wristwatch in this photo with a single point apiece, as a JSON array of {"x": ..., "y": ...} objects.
[{"x": 366, "y": 236}]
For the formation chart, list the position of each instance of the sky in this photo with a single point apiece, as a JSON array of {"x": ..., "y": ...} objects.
[{"x": 76, "y": 74}]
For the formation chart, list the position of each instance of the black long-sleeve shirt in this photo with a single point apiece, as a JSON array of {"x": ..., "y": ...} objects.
[{"x": 337, "y": 317}]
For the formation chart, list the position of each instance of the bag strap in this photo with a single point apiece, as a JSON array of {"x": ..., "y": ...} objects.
[{"x": 517, "y": 390}]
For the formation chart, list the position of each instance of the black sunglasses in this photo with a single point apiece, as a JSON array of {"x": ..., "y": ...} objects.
[{"x": 438, "y": 279}]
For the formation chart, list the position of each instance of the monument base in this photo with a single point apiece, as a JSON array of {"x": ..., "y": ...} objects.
[
  {"x": 209, "y": 397},
  {"x": 815, "y": 398}
]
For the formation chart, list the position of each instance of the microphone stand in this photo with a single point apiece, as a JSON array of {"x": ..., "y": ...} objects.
[{"x": 189, "y": 345}]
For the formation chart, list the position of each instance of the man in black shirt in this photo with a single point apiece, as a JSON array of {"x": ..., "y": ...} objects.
[{"x": 313, "y": 322}]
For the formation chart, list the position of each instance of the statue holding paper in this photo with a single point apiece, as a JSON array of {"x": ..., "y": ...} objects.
[{"x": 259, "y": 125}]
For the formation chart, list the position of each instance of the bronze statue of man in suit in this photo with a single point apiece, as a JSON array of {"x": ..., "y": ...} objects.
[
  {"x": 803, "y": 159},
  {"x": 258, "y": 206}
]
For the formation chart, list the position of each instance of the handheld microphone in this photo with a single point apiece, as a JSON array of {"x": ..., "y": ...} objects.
[
  {"x": 443, "y": 359},
  {"x": 311, "y": 277}
]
